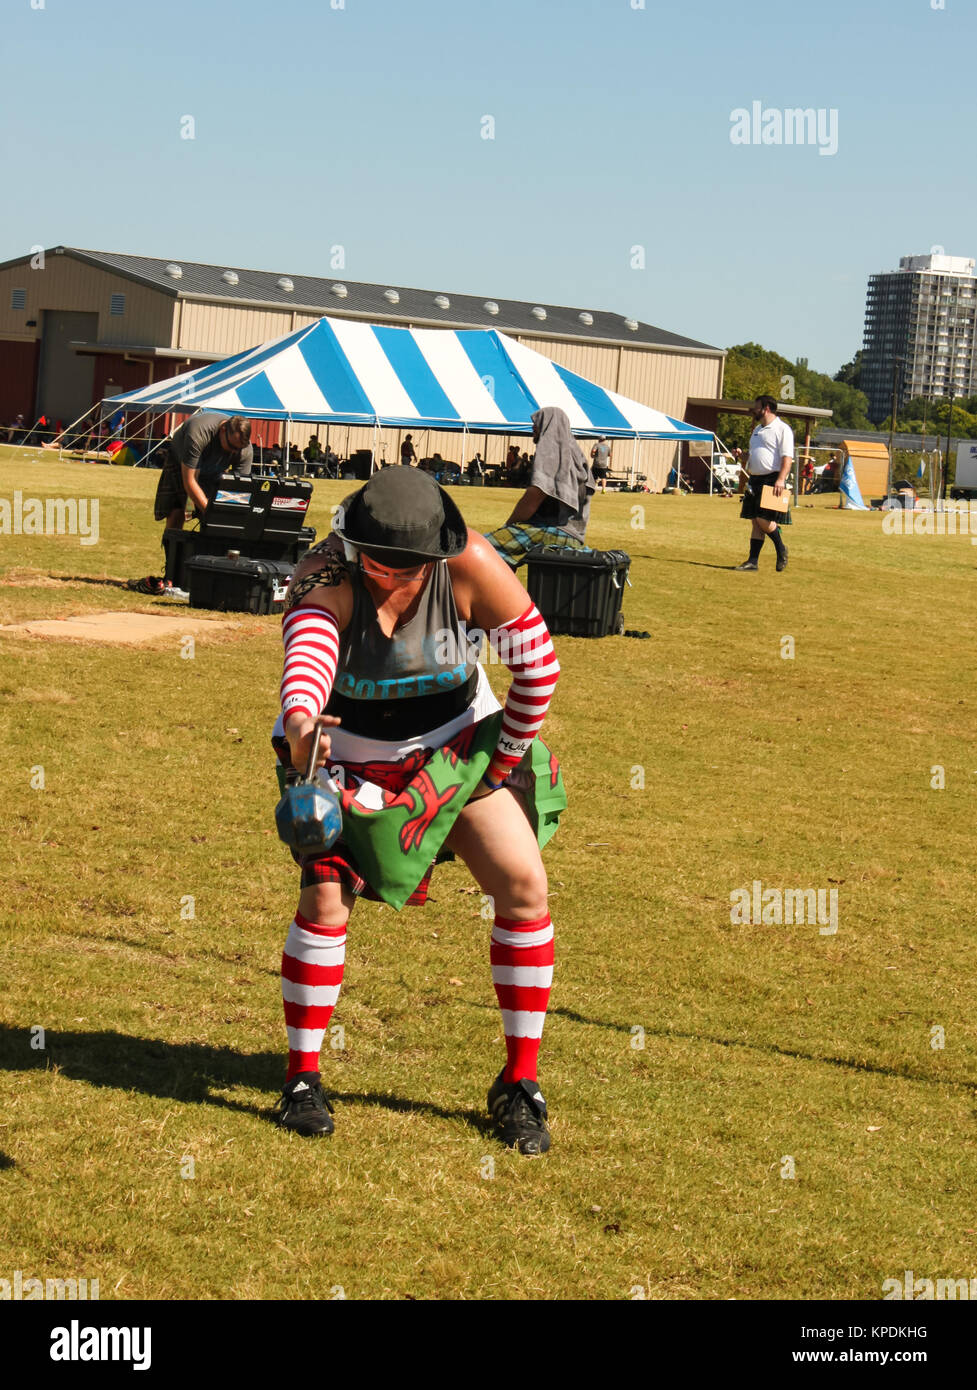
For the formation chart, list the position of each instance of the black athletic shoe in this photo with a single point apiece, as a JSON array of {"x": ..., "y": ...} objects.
[
  {"x": 303, "y": 1106},
  {"x": 747, "y": 565},
  {"x": 519, "y": 1112},
  {"x": 782, "y": 561}
]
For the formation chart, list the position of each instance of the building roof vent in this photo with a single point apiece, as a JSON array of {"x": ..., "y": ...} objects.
[
  {"x": 230, "y": 277},
  {"x": 284, "y": 284},
  {"x": 391, "y": 296},
  {"x": 632, "y": 324},
  {"x": 340, "y": 291},
  {"x": 539, "y": 313},
  {"x": 175, "y": 272},
  {"x": 586, "y": 319},
  {"x": 442, "y": 301},
  {"x": 490, "y": 306}
]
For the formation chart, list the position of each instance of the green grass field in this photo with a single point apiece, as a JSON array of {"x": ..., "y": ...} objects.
[{"x": 696, "y": 763}]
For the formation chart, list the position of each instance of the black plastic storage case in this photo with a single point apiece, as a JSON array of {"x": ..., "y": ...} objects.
[
  {"x": 257, "y": 508},
  {"x": 180, "y": 546},
  {"x": 578, "y": 592},
  {"x": 238, "y": 584}
]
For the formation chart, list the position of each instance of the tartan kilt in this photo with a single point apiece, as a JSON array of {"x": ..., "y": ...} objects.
[
  {"x": 170, "y": 492},
  {"x": 513, "y": 542},
  {"x": 751, "y": 508},
  {"x": 536, "y": 781}
]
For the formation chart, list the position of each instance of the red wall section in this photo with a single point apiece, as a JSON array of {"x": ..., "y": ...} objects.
[{"x": 18, "y": 380}]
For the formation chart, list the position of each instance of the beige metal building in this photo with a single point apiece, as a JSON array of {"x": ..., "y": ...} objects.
[{"x": 76, "y": 326}]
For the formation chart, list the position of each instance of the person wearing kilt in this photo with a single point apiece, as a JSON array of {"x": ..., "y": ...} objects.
[
  {"x": 193, "y": 459},
  {"x": 383, "y": 635},
  {"x": 771, "y": 456},
  {"x": 555, "y": 507}
]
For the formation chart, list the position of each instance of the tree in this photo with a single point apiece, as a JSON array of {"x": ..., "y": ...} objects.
[
  {"x": 851, "y": 373},
  {"x": 935, "y": 414},
  {"x": 752, "y": 370}
]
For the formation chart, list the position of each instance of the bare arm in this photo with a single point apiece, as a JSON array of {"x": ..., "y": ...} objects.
[
  {"x": 528, "y": 504},
  {"x": 320, "y": 558},
  {"x": 487, "y": 592},
  {"x": 192, "y": 488}
]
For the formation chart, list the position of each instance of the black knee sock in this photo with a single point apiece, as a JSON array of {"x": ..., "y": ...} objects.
[
  {"x": 756, "y": 545},
  {"x": 778, "y": 541}
]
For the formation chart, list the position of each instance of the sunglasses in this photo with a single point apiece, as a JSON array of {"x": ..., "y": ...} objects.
[{"x": 396, "y": 576}]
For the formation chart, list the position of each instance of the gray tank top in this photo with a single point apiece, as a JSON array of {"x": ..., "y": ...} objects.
[{"x": 426, "y": 656}]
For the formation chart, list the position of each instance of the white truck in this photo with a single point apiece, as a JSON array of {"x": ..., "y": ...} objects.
[{"x": 965, "y": 482}]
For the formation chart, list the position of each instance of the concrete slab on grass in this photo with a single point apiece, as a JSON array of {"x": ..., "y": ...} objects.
[{"x": 128, "y": 629}]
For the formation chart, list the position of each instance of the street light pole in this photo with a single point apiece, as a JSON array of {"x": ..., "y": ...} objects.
[
  {"x": 896, "y": 364},
  {"x": 922, "y": 447},
  {"x": 941, "y": 490},
  {"x": 952, "y": 325}
]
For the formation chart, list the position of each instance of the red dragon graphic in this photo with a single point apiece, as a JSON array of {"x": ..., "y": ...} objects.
[{"x": 414, "y": 829}]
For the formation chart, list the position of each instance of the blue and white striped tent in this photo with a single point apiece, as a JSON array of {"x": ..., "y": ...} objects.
[{"x": 341, "y": 372}]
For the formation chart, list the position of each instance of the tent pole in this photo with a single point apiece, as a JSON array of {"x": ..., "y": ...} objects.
[
  {"x": 148, "y": 426},
  {"x": 126, "y": 420},
  {"x": 807, "y": 454},
  {"x": 156, "y": 446},
  {"x": 71, "y": 427},
  {"x": 711, "y": 456}
]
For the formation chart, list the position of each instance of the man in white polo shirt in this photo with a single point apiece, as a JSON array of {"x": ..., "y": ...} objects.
[{"x": 771, "y": 455}]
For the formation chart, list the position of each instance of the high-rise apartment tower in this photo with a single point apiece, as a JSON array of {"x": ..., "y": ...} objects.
[{"x": 922, "y": 313}]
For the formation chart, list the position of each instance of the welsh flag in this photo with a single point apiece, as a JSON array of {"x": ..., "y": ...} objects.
[{"x": 396, "y": 835}]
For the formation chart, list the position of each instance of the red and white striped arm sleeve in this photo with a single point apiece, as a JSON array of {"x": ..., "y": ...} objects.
[
  {"x": 311, "y": 637},
  {"x": 525, "y": 645}
]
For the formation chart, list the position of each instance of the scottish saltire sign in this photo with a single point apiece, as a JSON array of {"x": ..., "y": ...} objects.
[{"x": 850, "y": 489}]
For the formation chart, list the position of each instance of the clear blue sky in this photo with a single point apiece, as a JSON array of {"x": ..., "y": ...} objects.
[{"x": 361, "y": 126}]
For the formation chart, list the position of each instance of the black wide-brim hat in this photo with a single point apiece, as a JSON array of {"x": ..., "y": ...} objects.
[{"x": 403, "y": 515}]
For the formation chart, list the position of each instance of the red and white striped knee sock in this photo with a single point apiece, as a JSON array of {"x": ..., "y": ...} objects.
[
  {"x": 312, "y": 972},
  {"x": 522, "y": 973}
]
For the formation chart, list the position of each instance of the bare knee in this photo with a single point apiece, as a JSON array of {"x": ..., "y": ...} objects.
[
  {"x": 326, "y": 904},
  {"x": 524, "y": 893}
]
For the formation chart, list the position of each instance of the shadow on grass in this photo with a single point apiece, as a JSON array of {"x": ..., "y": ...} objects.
[
  {"x": 414, "y": 1107},
  {"x": 88, "y": 579},
  {"x": 699, "y": 564},
  {"x": 6, "y": 1162},
  {"x": 846, "y": 1063},
  {"x": 187, "y": 1072}
]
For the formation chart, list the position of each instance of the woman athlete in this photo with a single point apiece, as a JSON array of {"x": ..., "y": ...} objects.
[{"x": 364, "y": 635}]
